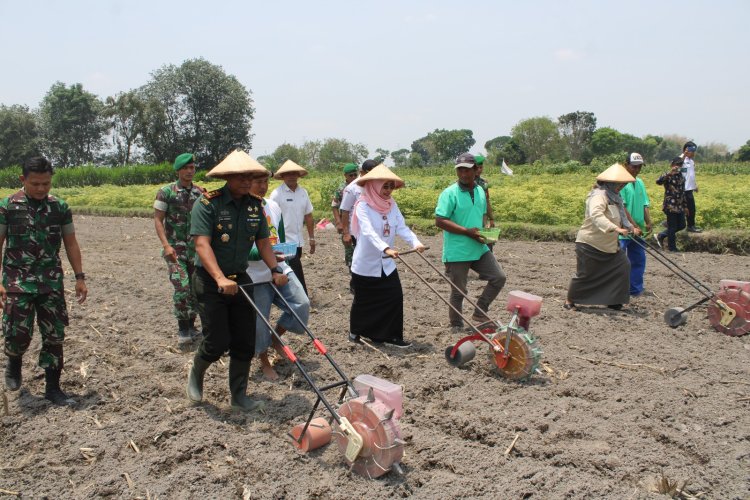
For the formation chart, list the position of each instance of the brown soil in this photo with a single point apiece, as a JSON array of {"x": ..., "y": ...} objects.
[{"x": 621, "y": 400}]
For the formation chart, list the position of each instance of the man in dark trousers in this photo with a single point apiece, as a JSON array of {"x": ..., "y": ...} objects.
[{"x": 225, "y": 224}]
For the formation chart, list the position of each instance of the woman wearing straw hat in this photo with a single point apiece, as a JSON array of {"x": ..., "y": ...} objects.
[
  {"x": 378, "y": 306},
  {"x": 602, "y": 269}
]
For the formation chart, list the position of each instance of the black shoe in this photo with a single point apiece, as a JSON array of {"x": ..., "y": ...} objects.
[
  {"x": 354, "y": 339},
  {"x": 694, "y": 229},
  {"x": 570, "y": 306},
  {"x": 52, "y": 391},
  {"x": 400, "y": 343},
  {"x": 13, "y": 377}
]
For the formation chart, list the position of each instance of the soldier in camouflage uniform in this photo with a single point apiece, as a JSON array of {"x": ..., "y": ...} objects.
[
  {"x": 172, "y": 222},
  {"x": 34, "y": 224},
  {"x": 350, "y": 173},
  {"x": 482, "y": 183}
]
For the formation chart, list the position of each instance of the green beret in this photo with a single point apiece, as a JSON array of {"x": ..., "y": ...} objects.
[
  {"x": 479, "y": 159},
  {"x": 349, "y": 168},
  {"x": 183, "y": 160}
]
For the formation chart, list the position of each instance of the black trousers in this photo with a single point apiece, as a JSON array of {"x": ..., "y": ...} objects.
[
  {"x": 690, "y": 199},
  {"x": 675, "y": 224},
  {"x": 296, "y": 264},
  {"x": 229, "y": 319}
]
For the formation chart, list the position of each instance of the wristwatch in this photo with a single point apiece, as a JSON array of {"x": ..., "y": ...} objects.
[
  {"x": 80, "y": 276},
  {"x": 277, "y": 270}
]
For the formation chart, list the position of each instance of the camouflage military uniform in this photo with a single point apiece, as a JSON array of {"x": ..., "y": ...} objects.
[
  {"x": 338, "y": 195},
  {"x": 177, "y": 202},
  {"x": 33, "y": 276}
]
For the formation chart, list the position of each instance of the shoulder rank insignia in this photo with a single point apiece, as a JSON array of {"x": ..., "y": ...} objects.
[{"x": 208, "y": 196}]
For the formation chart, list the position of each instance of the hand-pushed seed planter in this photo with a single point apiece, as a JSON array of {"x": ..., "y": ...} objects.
[
  {"x": 728, "y": 309},
  {"x": 365, "y": 426},
  {"x": 513, "y": 350}
]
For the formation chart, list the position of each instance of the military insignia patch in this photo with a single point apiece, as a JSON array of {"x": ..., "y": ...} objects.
[{"x": 225, "y": 238}]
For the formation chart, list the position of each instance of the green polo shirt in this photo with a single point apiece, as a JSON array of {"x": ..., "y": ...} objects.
[
  {"x": 635, "y": 198},
  {"x": 455, "y": 204},
  {"x": 233, "y": 226}
]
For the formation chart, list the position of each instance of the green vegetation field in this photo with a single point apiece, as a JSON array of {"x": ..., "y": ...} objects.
[{"x": 536, "y": 203}]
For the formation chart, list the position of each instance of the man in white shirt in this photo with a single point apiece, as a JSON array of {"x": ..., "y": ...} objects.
[
  {"x": 296, "y": 209},
  {"x": 688, "y": 153}
]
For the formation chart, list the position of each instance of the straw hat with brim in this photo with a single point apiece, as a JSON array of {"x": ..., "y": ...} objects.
[
  {"x": 287, "y": 168},
  {"x": 238, "y": 162},
  {"x": 381, "y": 173},
  {"x": 616, "y": 173}
]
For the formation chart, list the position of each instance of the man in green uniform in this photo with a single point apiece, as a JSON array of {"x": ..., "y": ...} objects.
[
  {"x": 225, "y": 224},
  {"x": 350, "y": 173},
  {"x": 34, "y": 224},
  {"x": 172, "y": 222}
]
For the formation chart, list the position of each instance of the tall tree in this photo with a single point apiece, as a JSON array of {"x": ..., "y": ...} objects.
[
  {"x": 195, "y": 107},
  {"x": 124, "y": 113},
  {"x": 539, "y": 139},
  {"x": 381, "y": 155},
  {"x": 497, "y": 142},
  {"x": 443, "y": 145},
  {"x": 576, "y": 130},
  {"x": 743, "y": 154},
  {"x": 71, "y": 125},
  {"x": 335, "y": 153},
  {"x": 400, "y": 157},
  {"x": 605, "y": 141},
  {"x": 19, "y": 136}
]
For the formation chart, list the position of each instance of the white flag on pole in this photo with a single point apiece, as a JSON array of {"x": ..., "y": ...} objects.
[{"x": 504, "y": 168}]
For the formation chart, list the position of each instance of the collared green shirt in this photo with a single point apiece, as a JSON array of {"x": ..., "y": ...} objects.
[
  {"x": 456, "y": 204},
  {"x": 233, "y": 226},
  {"x": 33, "y": 233},
  {"x": 636, "y": 200}
]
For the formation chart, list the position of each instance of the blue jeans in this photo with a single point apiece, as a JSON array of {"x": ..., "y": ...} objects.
[
  {"x": 264, "y": 296},
  {"x": 637, "y": 257}
]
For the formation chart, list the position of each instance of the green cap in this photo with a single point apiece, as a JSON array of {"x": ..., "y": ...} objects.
[
  {"x": 479, "y": 159},
  {"x": 183, "y": 160},
  {"x": 349, "y": 168}
]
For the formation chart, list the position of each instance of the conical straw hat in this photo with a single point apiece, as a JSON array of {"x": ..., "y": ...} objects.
[
  {"x": 238, "y": 162},
  {"x": 381, "y": 173},
  {"x": 615, "y": 173},
  {"x": 287, "y": 167}
]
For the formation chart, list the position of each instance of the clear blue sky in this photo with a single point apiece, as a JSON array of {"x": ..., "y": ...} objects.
[{"x": 388, "y": 72}]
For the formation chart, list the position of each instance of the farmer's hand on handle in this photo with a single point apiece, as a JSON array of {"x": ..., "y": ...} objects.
[
  {"x": 622, "y": 231},
  {"x": 226, "y": 286},
  {"x": 420, "y": 248},
  {"x": 390, "y": 252},
  {"x": 279, "y": 279},
  {"x": 637, "y": 231}
]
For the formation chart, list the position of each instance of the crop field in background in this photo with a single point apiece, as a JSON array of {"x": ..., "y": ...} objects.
[{"x": 535, "y": 203}]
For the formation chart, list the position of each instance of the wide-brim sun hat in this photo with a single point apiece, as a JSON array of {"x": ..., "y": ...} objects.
[
  {"x": 381, "y": 173},
  {"x": 288, "y": 167},
  {"x": 616, "y": 173},
  {"x": 238, "y": 162}
]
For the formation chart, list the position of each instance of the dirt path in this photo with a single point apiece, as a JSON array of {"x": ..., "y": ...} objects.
[{"x": 623, "y": 398}]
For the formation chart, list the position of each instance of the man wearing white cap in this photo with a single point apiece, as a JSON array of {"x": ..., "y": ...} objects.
[
  {"x": 225, "y": 223},
  {"x": 636, "y": 202},
  {"x": 296, "y": 208}
]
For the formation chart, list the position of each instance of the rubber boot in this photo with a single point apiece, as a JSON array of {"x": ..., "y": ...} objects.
[
  {"x": 183, "y": 333},
  {"x": 52, "y": 390},
  {"x": 239, "y": 372},
  {"x": 13, "y": 376},
  {"x": 195, "y": 379}
]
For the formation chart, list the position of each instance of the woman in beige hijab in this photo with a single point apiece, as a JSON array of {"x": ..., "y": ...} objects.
[{"x": 602, "y": 269}]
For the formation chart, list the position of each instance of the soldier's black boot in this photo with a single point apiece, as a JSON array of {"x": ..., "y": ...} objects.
[
  {"x": 195, "y": 379},
  {"x": 52, "y": 390},
  {"x": 239, "y": 372},
  {"x": 183, "y": 333},
  {"x": 13, "y": 376}
]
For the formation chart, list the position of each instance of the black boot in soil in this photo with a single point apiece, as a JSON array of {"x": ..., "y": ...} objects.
[
  {"x": 52, "y": 390},
  {"x": 195, "y": 378},
  {"x": 239, "y": 372},
  {"x": 13, "y": 376}
]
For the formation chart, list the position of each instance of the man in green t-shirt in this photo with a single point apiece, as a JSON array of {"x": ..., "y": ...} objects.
[
  {"x": 460, "y": 214},
  {"x": 636, "y": 202},
  {"x": 225, "y": 223}
]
